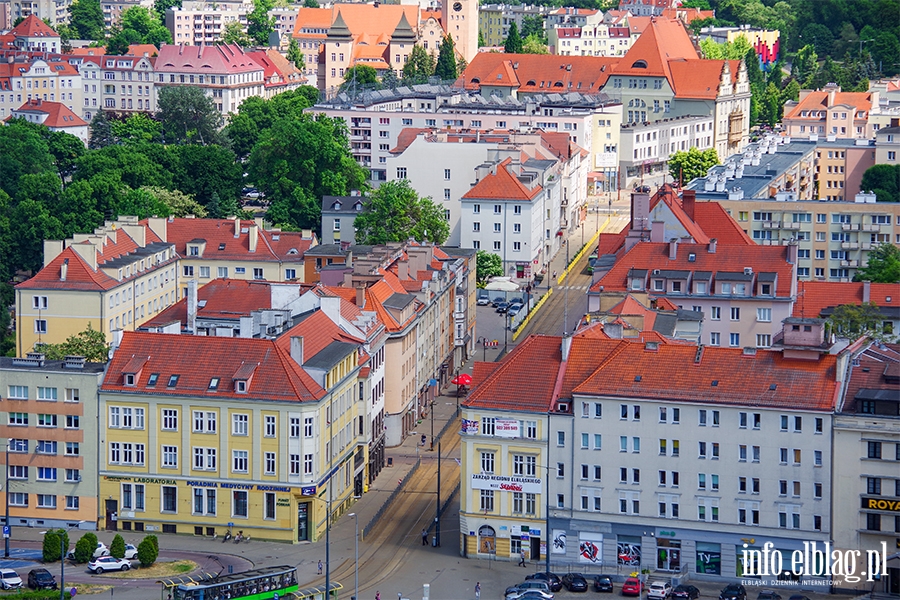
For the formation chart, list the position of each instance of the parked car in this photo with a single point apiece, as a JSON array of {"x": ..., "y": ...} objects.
[
  {"x": 686, "y": 592},
  {"x": 575, "y": 582},
  {"x": 9, "y": 579},
  {"x": 529, "y": 585},
  {"x": 659, "y": 590},
  {"x": 130, "y": 551},
  {"x": 503, "y": 307},
  {"x": 41, "y": 579},
  {"x": 603, "y": 583},
  {"x": 108, "y": 563},
  {"x": 101, "y": 550},
  {"x": 551, "y": 579},
  {"x": 520, "y": 301},
  {"x": 497, "y": 300},
  {"x": 249, "y": 192},
  {"x": 768, "y": 595},
  {"x": 514, "y": 309},
  {"x": 632, "y": 587},
  {"x": 733, "y": 591},
  {"x": 483, "y": 300}
]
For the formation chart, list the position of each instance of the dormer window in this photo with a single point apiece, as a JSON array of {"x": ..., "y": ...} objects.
[
  {"x": 658, "y": 285},
  {"x": 337, "y": 206},
  {"x": 130, "y": 379},
  {"x": 194, "y": 250},
  {"x": 240, "y": 386},
  {"x": 637, "y": 284}
]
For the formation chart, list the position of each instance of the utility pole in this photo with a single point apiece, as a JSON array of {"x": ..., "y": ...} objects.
[
  {"x": 566, "y": 295},
  {"x": 437, "y": 509},
  {"x": 6, "y": 535}
]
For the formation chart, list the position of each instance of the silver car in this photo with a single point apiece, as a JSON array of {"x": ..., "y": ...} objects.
[{"x": 9, "y": 579}]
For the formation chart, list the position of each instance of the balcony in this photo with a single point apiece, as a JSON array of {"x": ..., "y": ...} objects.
[
  {"x": 849, "y": 263},
  {"x": 850, "y": 227},
  {"x": 865, "y": 245},
  {"x": 850, "y": 245},
  {"x": 871, "y": 227},
  {"x": 790, "y": 225},
  {"x": 771, "y": 224}
]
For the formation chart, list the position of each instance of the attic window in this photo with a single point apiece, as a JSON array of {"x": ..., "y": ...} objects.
[
  {"x": 129, "y": 379},
  {"x": 773, "y": 387},
  {"x": 222, "y": 246},
  {"x": 276, "y": 237},
  {"x": 715, "y": 383},
  {"x": 213, "y": 384},
  {"x": 499, "y": 76},
  {"x": 692, "y": 257},
  {"x": 153, "y": 379},
  {"x": 293, "y": 251},
  {"x": 240, "y": 386},
  {"x": 637, "y": 377},
  {"x": 173, "y": 381},
  {"x": 558, "y": 84},
  {"x": 476, "y": 80},
  {"x": 530, "y": 82},
  {"x": 639, "y": 64}
]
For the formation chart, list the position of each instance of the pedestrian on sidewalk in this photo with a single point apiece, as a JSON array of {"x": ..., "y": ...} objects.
[
  {"x": 320, "y": 567},
  {"x": 522, "y": 557},
  {"x": 377, "y": 595},
  {"x": 424, "y": 439},
  {"x": 477, "y": 590},
  {"x": 424, "y": 537}
]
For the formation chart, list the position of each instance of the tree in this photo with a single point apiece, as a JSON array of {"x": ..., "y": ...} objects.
[
  {"x": 513, "y": 44},
  {"x": 84, "y": 548},
  {"x": 310, "y": 4},
  {"x": 820, "y": 37},
  {"x": 160, "y": 6},
  {"x": 687, "y": 166},
  {"x": 233, "y": 33},
  {"x": 420, "y": 65},
  {"x": 883, "y": 265},
  {"x": 90, "y": 343},
  {"x": 360, "y": 76},
  {"x": 534, "y": 25},
  {"x": 136, "y": 128},
  {"x": 886, "y": 52},
  {"x": 294, "y": 55},
  {"x": 148, "y": 551},
  {"x": 178, "y": 203},
  {"x": 55, "y": 540},
  {"x": 24, "y": 151},
  {"x": 445, "y": 70},
  {"x": 299, "y": 160},
  {"x": 188, "y": 115},
  {"x": 395, "y": 212},
  {"x": 534, "y": 45},
  {"x": 86, "y": 19},
  {"x": 854, "y": 321},
  {"x": 117, "y": 547},
  {"x": 487, "y": 265},
  {"x": 735, "y": 50},
  {"x": 255, "y": 115},
  {"x": 259, "y": 23},
  {"x": 137, "y": 25},
  {"x": 101, "y": 131},
  {"x": 884, "y": 180}
]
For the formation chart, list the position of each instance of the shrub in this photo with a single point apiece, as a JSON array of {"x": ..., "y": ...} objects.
[
  {"x": 51, "y": 545},
  {"x": 147, "y": 551},
  {"x": 84, "y": 548},
  {"x": 117, "y": 547}
]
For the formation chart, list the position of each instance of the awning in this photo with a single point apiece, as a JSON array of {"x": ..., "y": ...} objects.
[
  {"x": 314, "y": 592},
  {"x": 596, "y": 176},
  {"x": 462, "y": 379},
  {"x": 187, "y": 580}
]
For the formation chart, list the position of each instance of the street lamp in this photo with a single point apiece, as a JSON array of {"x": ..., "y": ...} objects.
[
  {"x": 8, "y": 532},
  {"x": 356, "y": 563}
]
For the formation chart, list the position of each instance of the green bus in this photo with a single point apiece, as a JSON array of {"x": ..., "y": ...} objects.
[{"x": 258, "y": 584}]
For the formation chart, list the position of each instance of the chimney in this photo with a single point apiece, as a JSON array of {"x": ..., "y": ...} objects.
[
  {"x": 613, "y": 330},
  {"x": 402, "y": 269},
  {"x": 867, "y": 291},
  {"x": 688, "y": 197},
  {"x": 192, "y": 305},
  {"x": 64, "y": 271},
  {"x": 566, "y": 346},
  {"x": 640, "y": 211},
  {"x": 673, "y": 248},
  {"x": 360, "y": 294},
  {"x": 237, "y": 228},
  {"x": 792, "y": 252},
  {"x": 712, "y": 245},
  {"x": 658, "y": 231},
  {"x": 297, "y": 349},
  {"x": 254, "y": 236},
  {"x": 52, "y": 249},
  {"x": 331, "y": 306}
]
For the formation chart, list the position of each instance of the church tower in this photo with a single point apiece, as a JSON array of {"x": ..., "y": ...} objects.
[{"x": 460, "y": 21}]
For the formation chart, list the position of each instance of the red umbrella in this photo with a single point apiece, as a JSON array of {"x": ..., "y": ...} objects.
[{"x": 462, "y": 379}]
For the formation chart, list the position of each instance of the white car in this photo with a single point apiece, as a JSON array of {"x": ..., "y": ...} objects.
[
  {"x": 101, "y": 550},
  {"x": 9, "y": 579},
  {"x": 130, "y": 551},
  {"x": 659, "y": 590},
  {"x": 109, "y": 563}
]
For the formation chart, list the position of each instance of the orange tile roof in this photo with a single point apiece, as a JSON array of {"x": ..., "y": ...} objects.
[
  {"x": 369, "y": 18},
  {"x": 58, "y": 114},
  {"x": 717, "y": 224},
  {"x": 819, "y": 101},
  {"x": 815, "y": 296},
  {"x": 503, "y": 185},
  {"x": 221, "y": 299},
  {"x": 696, "y": 78},
  {"x": 406, "y": 137},
  {"x": 662, "y": 41},
  {"x": 688, "y": 14},
  {"x": 198, "y": 359},
  {"x": 32, "y": 26},
  {"x": 877, "y": 368},
  {"x": 665, "y": 304},
  {"x": 317, "y": 331},
  {"x": 286, "y": 246},
  {"x": 673, "y": 372},
  {"x": 503, "y": 75},
  {"x": 542, "y": 73},
  {"x": 727, "y": 259}
]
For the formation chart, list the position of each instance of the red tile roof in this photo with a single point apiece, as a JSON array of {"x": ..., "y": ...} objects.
[
  {"x": 819, "y": 100},
  {"x": 815, "y": 296},
  {"x": 541, "y": 73},
  {"x": 32, "y": 26},
  {"x": 406, "y": 137},
  {"x": 220, "y": 299},
  {"x": 877, "y": 369},
  {"x": 59, "y": 116},
  {"x": 664, "y": 40},
  {"x": 221, "y": 59},
  {"x": 717, "y": 224},
  {"x": 198, "y": 359},
  {"x": 317, "y": 331},
  {"x": 501, "y": 184},
  {"x": 727, "y": 259},
  {"x": 286, "y": 246}
]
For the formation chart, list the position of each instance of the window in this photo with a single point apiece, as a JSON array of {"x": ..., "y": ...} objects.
[
  {"x": 17, "y": 418},
  {"x": 170, "y": 419},
  {"x": 46, "y": 501},
  {"x": 742, "y": 453},
  {"x": 46, "y": 447},
  {"x": 796, "y": 456},
  {"x": 734, "y": 340},
  {"x": 270, "y": 463},
  {"x": 735, "y": 313},
  {"x": 239, "y": 504},
  {"x": 487, "y": 462},
  {"x": 308, "y": 427},
  {"x": 170, "y": 456},
  {"x": 763, "y": 340},
  {"x": 16, "y": 445},
  {"x": 701, "y": 415},
  {"x": 598, "y": 439},
  {"x": 239, "y": 424},
  {"x": 560, "y": 470},
  {"x": 169, "y": 499},
  {"x": 17, "y": 472},
  {"x": 715, "y": 338},
  {"x": 764, "y": 315},
  {"x": 46, "y": 394},
  {"x": 239, "y": 461},
  {"x": 132, "y": 496},
  {"x": 701, "y": 451},
  {"x": 40, "y": 326},
  {"x": 46, "y": 474},
  {"x": 487, "y": 501},
  {"x": 783, "y": 455},
  {"x": 73, "y": 449},
  {"x": 715, "y": 313},
  {"x": 45, "y": 420},
  {"x": 817, "y": 458},
  {"x": 269, "y": 426},
  {"x": 756, "y": 454},
  {"x": 874, "y": 449},
  {"x": 561, "y": 439}
]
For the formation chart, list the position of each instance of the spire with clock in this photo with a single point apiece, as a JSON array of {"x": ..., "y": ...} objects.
[{"x": 460, "y": 21}]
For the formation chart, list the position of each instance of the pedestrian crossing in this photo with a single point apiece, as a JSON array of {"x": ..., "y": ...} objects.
[{"x": 573, "y": 288}]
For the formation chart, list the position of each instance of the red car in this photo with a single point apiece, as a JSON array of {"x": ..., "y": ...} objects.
[{"x": 631, "y": 587}]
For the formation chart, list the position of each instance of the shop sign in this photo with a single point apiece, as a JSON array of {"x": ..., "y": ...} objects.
[
  {"x": 283, "y": 502},
  {"x": 308, "y": 491},
  {"x": 506, "y": 428},
  {"x": 665, "y": 533},
  {"x": 505, "y": 483},
  {"x": 892, "y": 505}
]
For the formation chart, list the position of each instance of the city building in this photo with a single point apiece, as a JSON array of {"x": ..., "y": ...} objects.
[
  {"x": 197, "y": 22},
  {"x": 199, "y": 432},
  {"x": 866, "y": 449},
  {"x": 56, "y": 116},
  {"x": 646, "y": 147},
  {"x": 31, "y": 76},
  {"x": 50, "y": 432},
  {"x": 645, "y": 8},
  {"x": 285, "y": 21},
  {"x": 280, "y": 74},
  {"x": 121, "y": 85},
  {"x": 820, "y": 298},
  {"x": 630, "y": 318},
  {"x": 766, "y": 42},
  {"x": 830, "y": 111},
  {"x": 33, "y": 34},
  {"x": 338, "y": 215},
  {"x": 113, "y": 9},
  {"x": 538, "y": 474},
  {"x": 223, "y": 71},
  {"x": 112, "y": 279},
  {"x": 328, "y": 262},
  {"x": 887, "y": 145},
  {"x": 494, "y": 20}
]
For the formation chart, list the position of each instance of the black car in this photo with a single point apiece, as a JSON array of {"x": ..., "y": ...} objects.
[
  {"x": 768, "y": 595},
  {"x": 41, "y": 579},
  {"x": 603, "y": 583},
  {"x": 575, "y": 582},
  {"x": 551, "y": 579},
  {"x": 497, "y": 300},
  {"x": 503, "y": 307},
  {"x": 686, "y": 592},
  {"x": 733, "y": 591}
]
